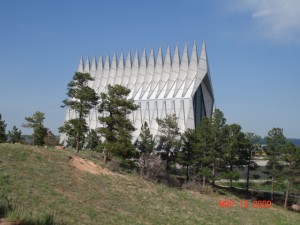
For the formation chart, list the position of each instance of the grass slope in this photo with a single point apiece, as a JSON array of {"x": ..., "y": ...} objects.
[{"x": 41, "y": 182}]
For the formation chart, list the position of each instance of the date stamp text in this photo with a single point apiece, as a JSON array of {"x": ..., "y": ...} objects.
[{"x": 243, "y": 203}]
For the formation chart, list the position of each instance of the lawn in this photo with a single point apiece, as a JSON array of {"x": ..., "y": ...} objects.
[{"x": 279, "y": 186}]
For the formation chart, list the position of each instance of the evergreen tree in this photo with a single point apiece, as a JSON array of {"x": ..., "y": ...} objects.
[
  {"x": 50, "y": 139},
  {"x": 219, "y": 137},
  {"x": 290, "y": 158},
  {"x": 145, "y": 143},
  {"x": 14, "y": 135},
  {"x": 169, "y": 138},
  {"x": 73, "y": 128},
  {"x": 204, "y": 149},
  {"x": 186, "y": 156},
  {"x": 275, "y": 145},
  {"x": 36, "y": 123},
  {"x": 2, "y": 130},
  {"x": 92, "y": 140},
  {"x": 81, "y": 100},
  {"x": 40, "y": 132},
  {"x": 253, "y": 142},
  {"x": 235, "y": 154},
  {"x": 117, "y": 128}
]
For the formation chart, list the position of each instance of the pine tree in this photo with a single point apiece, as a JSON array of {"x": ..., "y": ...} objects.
[
  {"x": 290, "y": 158},
  {"x": 187, "y": 155},
  {"x": 92, "y": 140},
  {"x": 117, "y": 128},
  {"x": 14, "y": 135},
  {"x": 219, "y": 137},
  {"x": 36, "y": 123},
  {"x": 81, "y": 100},
  {"x": 234, "y": 154},
  {"x": 145, "y": 143},
  {"x": 275, "y": 145},
  {"x": 2, "y": 130},
  {"x": 253, "y": 142},
  {"x": 204, "y": 149},
  {"x": 50, "y": 139},
  {"x": 169, "y": 138}
]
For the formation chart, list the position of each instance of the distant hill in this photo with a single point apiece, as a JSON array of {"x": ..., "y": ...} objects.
[
  {"x": 296, "y": 141},
  {"x": 28, "y": 138}
]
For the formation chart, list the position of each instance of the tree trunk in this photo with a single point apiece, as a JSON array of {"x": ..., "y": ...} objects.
[
  {"x": 203, "y": 181},
  {"x": 273, "y": 180},
  {"x": 78, "y": 139},
  {"x": 248, "y": 172},
  {"x": 230, "y": 176},
  {"x": 248, "y": 176},
  {"x": 213, "y": 176},
  {"x": 168, "y": 163},
  {"x": 272, "y": 188},
  {"x": 187, "y": 173},
  {"x": 78, "y": 142},
  {"x": 105, "y": 151},
  {"x": 77, "y": 145},
  {"x": 287, "y": 194},
  {"x": 143, "y": 166}
]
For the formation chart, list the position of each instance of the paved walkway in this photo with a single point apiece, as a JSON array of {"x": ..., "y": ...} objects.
[{"x": 242, "y": 181}]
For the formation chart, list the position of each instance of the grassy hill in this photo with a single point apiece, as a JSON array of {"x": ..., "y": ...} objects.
[{"x": 75, "y": 189}]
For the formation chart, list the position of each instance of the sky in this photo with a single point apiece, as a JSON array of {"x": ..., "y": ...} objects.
[{"x": 253, "y": 49}]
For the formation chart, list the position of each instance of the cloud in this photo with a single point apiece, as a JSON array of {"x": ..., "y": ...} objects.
[
  {"x": 276, "y": 19},
  {"x": 261, "y": 13}
]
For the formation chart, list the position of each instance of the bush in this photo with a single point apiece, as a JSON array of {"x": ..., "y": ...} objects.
[
  {"x": 256, "y": 176},
  {"x": 151, "y": 167},
  {"x": 4, "y": 209},
  {"x": 128, "y": 165},
  {"x": 125, "y": 165},
  {"x": 114, "y": 165}
]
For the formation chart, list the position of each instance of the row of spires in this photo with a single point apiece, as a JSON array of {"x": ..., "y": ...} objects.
[{"x": 144, "y": 60}]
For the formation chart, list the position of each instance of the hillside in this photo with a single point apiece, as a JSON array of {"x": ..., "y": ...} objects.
[
  {"x": 76, "y": 189},
  {"x": 295, "y": 141}
]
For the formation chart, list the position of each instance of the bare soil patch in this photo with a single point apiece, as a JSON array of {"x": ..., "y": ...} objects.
[
  {"x": 88, "y": 166},
  {"x": 5, "y": 222}
]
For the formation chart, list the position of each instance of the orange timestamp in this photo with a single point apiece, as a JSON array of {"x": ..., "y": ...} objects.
[{"x": 243, "y": 203}]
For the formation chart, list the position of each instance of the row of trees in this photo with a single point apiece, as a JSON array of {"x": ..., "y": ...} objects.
[
  {"x": 211, "y": 151},
  {"x": 12, "y": 136},
  {"x": 41, "y": 135},
  {"x": 113, "y": 107},
  {"x": 216, "y": 150}
]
